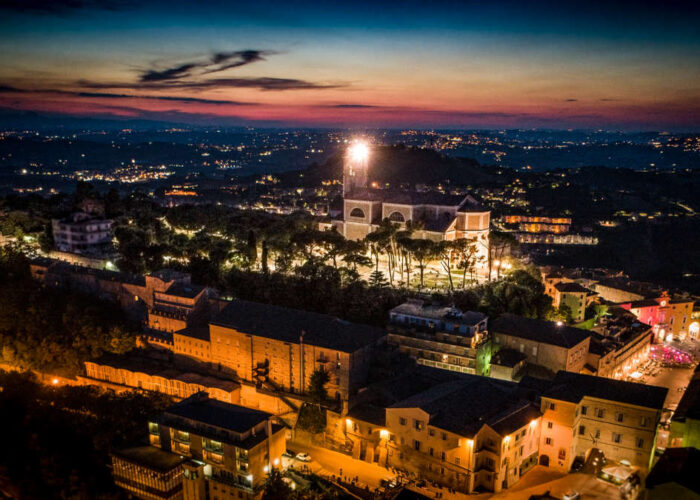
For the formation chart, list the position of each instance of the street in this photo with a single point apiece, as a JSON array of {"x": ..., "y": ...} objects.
[{"x": 537, "y": 481}]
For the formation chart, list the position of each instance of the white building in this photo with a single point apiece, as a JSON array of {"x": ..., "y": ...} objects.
[{"x": 82, "y": 233}]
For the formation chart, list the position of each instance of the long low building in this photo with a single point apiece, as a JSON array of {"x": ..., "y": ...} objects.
[{"x": 150, "y": 375}]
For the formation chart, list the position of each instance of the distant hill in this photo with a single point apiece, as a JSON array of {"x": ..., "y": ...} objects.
[{"x": 400, "y": 165}]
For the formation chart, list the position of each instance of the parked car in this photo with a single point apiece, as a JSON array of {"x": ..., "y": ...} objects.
[
  {"x": 288, "y": 454},
  {"x": 303, "y": 457},
  {"x": 571, "y": 495}
]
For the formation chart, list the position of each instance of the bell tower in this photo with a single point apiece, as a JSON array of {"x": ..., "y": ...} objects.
[{"x": 355, "y": 167}]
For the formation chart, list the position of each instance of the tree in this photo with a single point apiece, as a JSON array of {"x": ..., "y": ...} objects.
[
  {"x": 275, "y": 488},
  {"x": 317, "y": 385},
  {"x": 377, "y": 279},
  {"x": 422, "y": 251},
  {"x": 499, "y": 244}
]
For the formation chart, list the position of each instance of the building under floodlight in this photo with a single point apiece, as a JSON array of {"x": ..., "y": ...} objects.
[{"x": 436, "y": 216}]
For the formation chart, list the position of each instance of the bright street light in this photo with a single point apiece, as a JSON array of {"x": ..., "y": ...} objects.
[{"x": 359, "y": 152}]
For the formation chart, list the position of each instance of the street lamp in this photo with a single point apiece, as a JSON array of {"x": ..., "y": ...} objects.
[{"x": 359, "y": 152}]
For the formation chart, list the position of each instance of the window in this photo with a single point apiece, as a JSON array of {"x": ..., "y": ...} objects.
[
  {"x": 617, "y": 438},
  {"x": 550, "y": 425},
  {"x": 600, "y": 413},
  {"x": 584, "y": 410},
  {"x": 548, "y": 441},
  {"x": 620, "y": 417},
  {"x": 357, "y": 212},
  {"x": 643, "y": 421},
  {"x": 552, "y": 406},
  {"x": 396, "y": 217},
  {"x": 562, "y": 453},
  {"x": 640, "y": 443},
  {"x": 597, "y": 433},
  {"x": 431, "y": 432},
  {"x": 431, "y": 451},
  {"x": 416, "y": 445},
  {"x": 442, "y": 456},
  {"x": 418, "y": 425},
  {"x": 444, "y": 436},
  {"x": 402, "y": 421},
  {"x": 457, "y": 460},
  {"x": 581, "y": 430}
]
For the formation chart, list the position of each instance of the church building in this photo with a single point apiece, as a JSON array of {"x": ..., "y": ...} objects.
[{"x": 438, "y": 216}]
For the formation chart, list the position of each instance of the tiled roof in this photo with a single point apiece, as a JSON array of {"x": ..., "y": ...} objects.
[
  {"x": 288, "y": 325},
  {"x": 573, "y": 387},
  {"x": 546, "y": 332},
  {"x": 452, "y": 407},
  {"x": 572, "y": 288},
  {"x": 232, "y": 417}
]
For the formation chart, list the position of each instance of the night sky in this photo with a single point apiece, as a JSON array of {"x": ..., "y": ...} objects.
[{"x": 481, "y": 64}]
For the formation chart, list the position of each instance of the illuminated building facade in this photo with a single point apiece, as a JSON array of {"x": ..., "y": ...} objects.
[
  {"x": 441, "y": 337},
  {"x": 581, "y": 412},
  {"x": 468, "y": 434},
  {"x": 217, "y": 450}
]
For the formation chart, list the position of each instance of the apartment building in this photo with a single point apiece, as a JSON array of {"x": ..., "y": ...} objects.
[
  {"x": 582, "y": 412},
  {"x": 229, "y": 450},
  {"x": 441, "y": 337},
  {"x": 669, "y": 318},
  {"x": 551, "y": 345},
  {"x": 82, "y": 233},
  {"x": 465, "y": 434},
  {"x": 279, "y": 348}
]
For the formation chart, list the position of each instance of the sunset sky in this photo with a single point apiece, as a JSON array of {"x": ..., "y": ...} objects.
[{"x": 480, "y": 64}]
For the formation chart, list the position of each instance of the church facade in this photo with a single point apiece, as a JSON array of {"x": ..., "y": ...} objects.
[{"x": 437, "y": 216}]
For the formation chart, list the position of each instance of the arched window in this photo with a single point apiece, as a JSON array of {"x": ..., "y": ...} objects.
[
  {"x": 357, "y": 212},
  {"x": 396, "y": 217}
]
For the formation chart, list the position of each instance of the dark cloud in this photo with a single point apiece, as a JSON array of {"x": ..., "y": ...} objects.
[
  {"x": 570, "y": 100},
  {"x": 6, "y": 89},
  {"x": 63, "y": 6},
  {"x": 218, "y": 61},
  {"x": 168, "y": 74},
  {"x": 608, "y": 100},
  {"x": 262, "y": 83},
  {"x": 352, "y": 106}
]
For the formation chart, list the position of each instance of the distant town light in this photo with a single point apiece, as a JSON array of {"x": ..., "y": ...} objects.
[
  {"x": 560, "y": 323},
  {"x": 359, "y": 152}
]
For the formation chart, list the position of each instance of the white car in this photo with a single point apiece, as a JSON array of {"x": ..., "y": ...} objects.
[
  {"x": 571, "y": 495},
  {"x": 303, "y": 457}
]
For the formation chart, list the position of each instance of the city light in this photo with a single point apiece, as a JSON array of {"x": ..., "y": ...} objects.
[
  {"x": 54, "y": 381},
  {"x": 560, "y": 323},
  {"x": 384, "y": 434}
]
